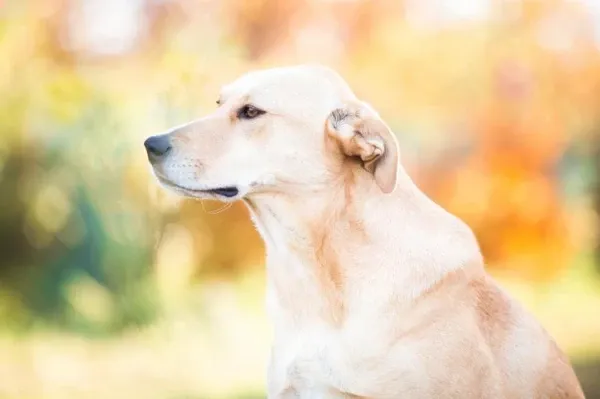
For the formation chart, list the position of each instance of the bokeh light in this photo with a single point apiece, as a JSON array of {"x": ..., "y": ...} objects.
[{"x": 111, "y": 287}]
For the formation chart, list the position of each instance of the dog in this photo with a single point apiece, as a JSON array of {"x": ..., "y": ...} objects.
[{"x": 373, "y": 289}]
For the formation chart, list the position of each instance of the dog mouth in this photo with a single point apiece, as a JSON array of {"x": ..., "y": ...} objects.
[
  {"x": 228, "y": 191},
  {"x": 224, "y": 192}
]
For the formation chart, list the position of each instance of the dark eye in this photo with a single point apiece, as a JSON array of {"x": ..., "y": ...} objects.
[{"x": 249, "y": 112}]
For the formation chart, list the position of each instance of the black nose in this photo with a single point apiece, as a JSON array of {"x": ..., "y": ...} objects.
[{"x": 157, "y": 146}]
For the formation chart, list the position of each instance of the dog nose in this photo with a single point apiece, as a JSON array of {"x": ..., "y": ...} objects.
[{"x": 157, "y": 146}]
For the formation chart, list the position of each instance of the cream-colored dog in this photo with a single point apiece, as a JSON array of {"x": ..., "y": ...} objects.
[{"x": 374, "y": 290}]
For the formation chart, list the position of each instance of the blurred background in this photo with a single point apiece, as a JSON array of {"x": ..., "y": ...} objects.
[{"x": 112, "y": 288}]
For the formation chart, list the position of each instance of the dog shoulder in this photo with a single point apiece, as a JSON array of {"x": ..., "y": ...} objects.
[
  {"x": 533, "y": 365},
  {"x": 558, "y": 380}
]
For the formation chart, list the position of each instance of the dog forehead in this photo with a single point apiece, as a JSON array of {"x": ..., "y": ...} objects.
[{"x": 289, "y": 84}]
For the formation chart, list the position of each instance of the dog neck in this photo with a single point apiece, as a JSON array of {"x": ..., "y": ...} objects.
[{"x": 324, "y": 246}]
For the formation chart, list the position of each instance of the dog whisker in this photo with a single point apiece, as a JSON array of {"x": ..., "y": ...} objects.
[{"x": 216, "y": 211}]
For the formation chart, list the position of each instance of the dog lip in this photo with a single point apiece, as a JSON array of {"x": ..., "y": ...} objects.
[{"x": 228, "y": 192}]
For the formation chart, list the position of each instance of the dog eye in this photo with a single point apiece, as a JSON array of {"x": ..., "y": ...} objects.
[{"x": 249, "y": 112}]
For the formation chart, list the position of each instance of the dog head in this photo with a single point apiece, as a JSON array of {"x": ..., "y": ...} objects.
[{"x": 276, "y": 130}]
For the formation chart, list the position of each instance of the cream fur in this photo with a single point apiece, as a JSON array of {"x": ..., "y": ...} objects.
[{"x": 374, "y": 291}]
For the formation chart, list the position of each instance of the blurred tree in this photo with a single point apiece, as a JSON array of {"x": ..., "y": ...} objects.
[
  {"x": 596, "y": 194},
  {"x": 484, "y": 108},
  {"x": 53, "y": 227},
  {"x": 261, "y": 24}
]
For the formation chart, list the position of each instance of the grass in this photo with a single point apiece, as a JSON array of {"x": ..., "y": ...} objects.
[{"x": 223, "y": 354}]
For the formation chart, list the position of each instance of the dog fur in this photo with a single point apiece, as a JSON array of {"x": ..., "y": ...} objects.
[{"x": 374, "y": 290}]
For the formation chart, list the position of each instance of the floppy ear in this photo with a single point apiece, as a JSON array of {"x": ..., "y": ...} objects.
[{"x": 361, "y": 133}]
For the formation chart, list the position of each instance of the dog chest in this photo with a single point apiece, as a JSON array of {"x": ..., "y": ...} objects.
[{"x": 300, "y": 356}]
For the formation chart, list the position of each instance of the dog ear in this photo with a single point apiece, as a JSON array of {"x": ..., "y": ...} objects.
[{"x": 361, "y": 133}]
